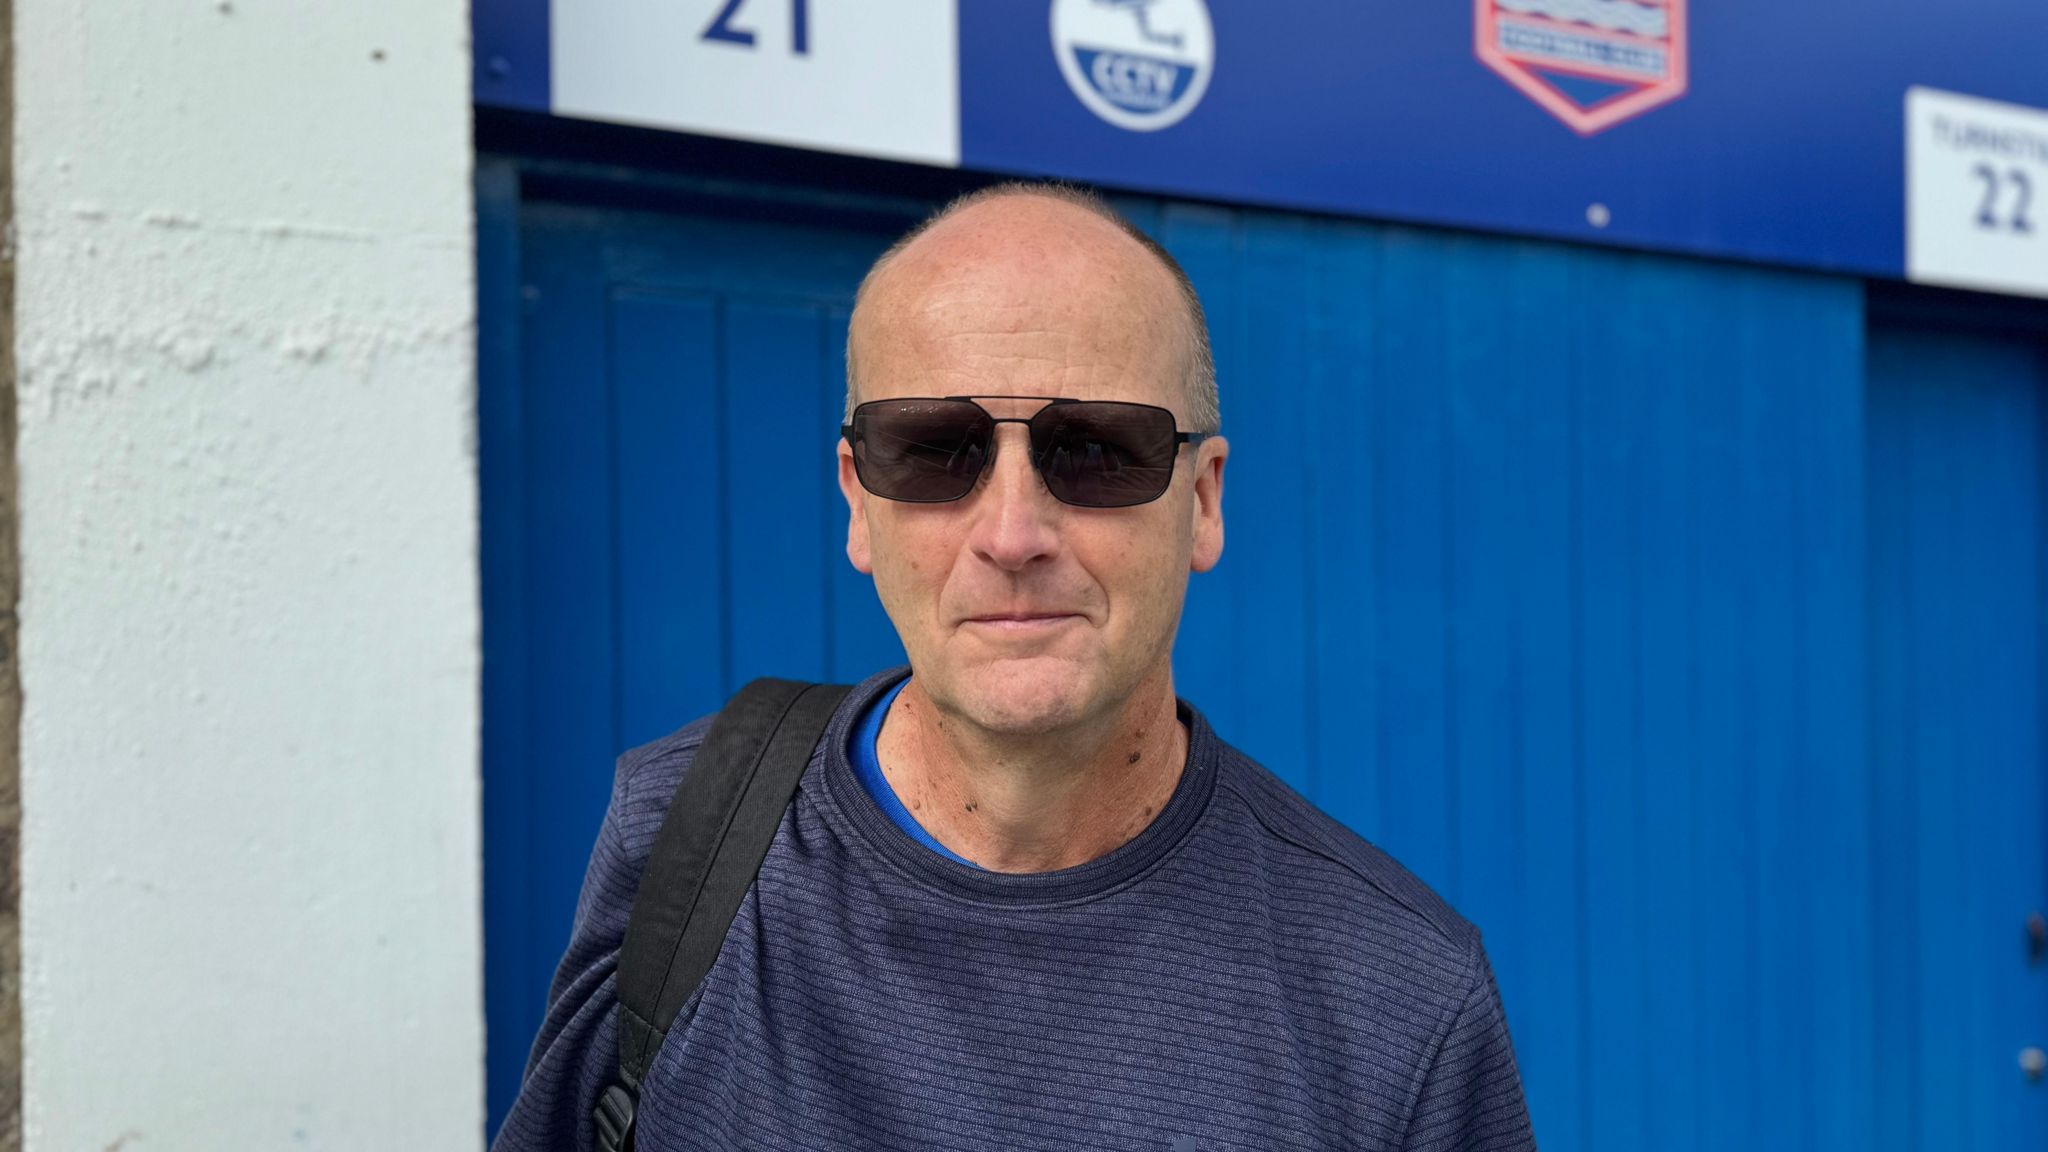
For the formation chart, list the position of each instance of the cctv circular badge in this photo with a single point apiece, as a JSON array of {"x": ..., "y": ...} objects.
[{"x": 1139, "y": 64}]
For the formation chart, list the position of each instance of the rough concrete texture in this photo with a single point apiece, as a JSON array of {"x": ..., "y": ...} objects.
[{"x": 249, "y": 641}]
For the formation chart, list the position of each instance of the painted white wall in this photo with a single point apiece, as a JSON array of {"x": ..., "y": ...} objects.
[{"x": 249, "y": 608}]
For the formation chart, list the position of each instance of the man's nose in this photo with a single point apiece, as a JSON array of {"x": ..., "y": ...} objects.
[{"x": 1016, "y": 520}]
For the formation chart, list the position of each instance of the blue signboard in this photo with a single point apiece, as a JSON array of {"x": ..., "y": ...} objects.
[{"x": 1878, "y": 137}]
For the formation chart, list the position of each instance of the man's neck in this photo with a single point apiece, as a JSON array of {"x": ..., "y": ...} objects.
[{"x": 1041, "y": 804}]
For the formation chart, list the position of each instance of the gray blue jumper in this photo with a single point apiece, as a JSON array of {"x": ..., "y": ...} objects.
[{"x": 1246, "y": 973}]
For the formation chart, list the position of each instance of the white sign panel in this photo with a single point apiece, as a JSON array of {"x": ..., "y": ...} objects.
[
  {"x": 1976, "y": 193},
  {"x": 869, "y": 77}
]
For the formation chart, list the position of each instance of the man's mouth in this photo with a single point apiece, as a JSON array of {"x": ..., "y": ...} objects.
[{"x": 1022, "y": 623}]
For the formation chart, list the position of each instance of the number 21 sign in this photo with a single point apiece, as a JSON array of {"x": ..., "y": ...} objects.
[{"x": 866, "y": 79}]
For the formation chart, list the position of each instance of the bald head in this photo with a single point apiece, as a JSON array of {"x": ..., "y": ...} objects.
[{"x": 1008, "y": 250}]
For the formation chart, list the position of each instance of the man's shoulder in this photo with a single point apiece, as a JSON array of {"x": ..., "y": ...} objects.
[
  {"x": 1338, "y": 883},
  {"x": 646, "y": 777}
]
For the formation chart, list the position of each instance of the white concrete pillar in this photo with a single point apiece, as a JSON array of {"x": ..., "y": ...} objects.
[{"x": 249, "y": 615}]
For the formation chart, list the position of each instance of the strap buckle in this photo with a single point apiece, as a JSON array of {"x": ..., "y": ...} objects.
[{"x": 614, "y": 1117}]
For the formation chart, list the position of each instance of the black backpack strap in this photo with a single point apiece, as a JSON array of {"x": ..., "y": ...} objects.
[{"x": 710, "y": 847}]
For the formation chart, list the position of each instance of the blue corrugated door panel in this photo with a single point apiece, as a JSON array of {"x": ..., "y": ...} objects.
[{"x": 1958, "y": 467}]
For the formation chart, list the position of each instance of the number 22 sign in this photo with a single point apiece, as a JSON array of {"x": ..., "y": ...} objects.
[{"x": 1976, "y": 193}]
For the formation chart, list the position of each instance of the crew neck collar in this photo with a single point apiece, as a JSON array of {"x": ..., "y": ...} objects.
[{"x": 847, "y": 799}]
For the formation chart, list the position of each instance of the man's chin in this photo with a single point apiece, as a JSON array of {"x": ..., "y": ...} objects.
[{"x": 1027, "y": 696}]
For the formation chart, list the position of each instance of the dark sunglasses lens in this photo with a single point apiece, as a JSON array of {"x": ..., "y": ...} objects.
[
  {"x": 927, "y": 451},
  {"x": 1105, "y": 454}
]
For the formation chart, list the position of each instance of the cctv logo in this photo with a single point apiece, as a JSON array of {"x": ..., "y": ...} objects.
[{"x": 1141, "y": 65}]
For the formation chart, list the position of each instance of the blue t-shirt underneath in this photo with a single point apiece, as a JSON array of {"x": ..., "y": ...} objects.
[
  {"x": 866, "y": 752},
  {"x": 1245, "y": 973}
]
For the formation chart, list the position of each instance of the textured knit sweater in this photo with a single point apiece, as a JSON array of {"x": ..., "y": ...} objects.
[{"x": 1245, "y": 973}]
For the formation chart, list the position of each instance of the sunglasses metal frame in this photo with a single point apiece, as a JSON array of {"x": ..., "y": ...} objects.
[{"x": 846, "y": 431}]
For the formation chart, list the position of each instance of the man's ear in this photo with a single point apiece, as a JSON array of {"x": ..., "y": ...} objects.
[
  {"x": 1208, "y": 510},
  {"x": 856, "y": 511}
]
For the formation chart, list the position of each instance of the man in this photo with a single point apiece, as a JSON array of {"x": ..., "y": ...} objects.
[{"x": 1024, "y": 898}]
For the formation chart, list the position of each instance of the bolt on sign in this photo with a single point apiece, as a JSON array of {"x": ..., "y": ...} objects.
[{"x": 1590, "y": 63}]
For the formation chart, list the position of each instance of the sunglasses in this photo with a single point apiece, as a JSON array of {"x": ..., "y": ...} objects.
[{"x": 1091, "y": 453}]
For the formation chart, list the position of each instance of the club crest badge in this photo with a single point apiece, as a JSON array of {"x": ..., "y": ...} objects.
[
  {"x": 1139, "y": 64},
  {"x": 1590, "y": 63}
]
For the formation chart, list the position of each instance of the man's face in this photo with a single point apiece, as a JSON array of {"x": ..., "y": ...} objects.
[{"x": 1019, "y": 612}]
